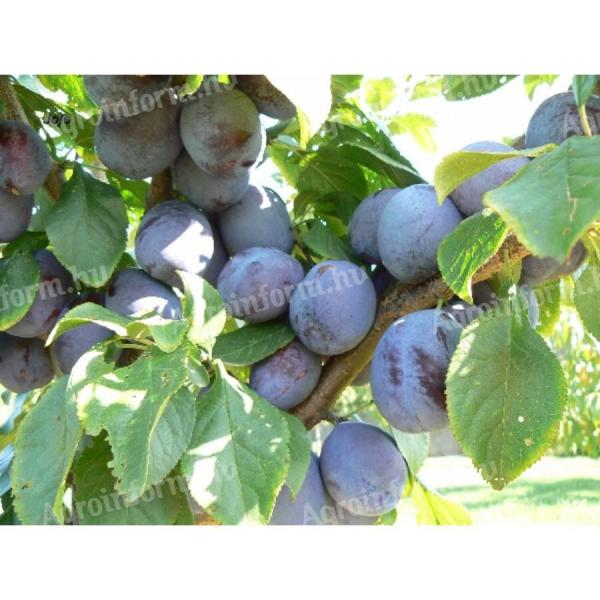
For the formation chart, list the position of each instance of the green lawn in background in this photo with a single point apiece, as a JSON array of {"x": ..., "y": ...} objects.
[{"x": 555, "y": 490}]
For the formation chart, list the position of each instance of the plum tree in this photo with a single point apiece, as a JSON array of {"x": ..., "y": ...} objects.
[
  {"x": 219, "y": 258},
  {"x": 174, "y": 236},
  {"x": 468, "y": 196},
  {"x": 287, "y": 377},
  {"x": 363, "y": 226},
  {"x": 267, "y": 98},
  {"x": 536, "y": 271},
  {"x": 410, "y": 230},
  {"x": 260, "y": 218},
  {"x": 140, "y": 146},
  {"x": 24, "y": 364},
  {"x": 408, "y": 370},
  {"x": 256, "y": 284},
  {"x": 54, "y": 291},
  {"x": 333, "y": 309},
  {"x": 15, "y": 215},
  {"x": 132, "y": 292},
  {"x": 125, "y": 95},
  {"x": 557, "y": 118},
  {"x": 24, "y": 158},
  {"x": 363, "y": 469},
  {"x": 222, "y": 133},
  {"x": 206, "y": 191},
  {"x": 313, "y": 505},
  {"x": 73, "y": 344}
]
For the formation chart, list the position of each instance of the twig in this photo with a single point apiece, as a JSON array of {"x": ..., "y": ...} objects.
[{"x": 401, "y": 300}]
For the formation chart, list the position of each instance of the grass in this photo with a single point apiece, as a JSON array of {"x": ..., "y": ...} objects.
[{"x": 555, "y": 490}]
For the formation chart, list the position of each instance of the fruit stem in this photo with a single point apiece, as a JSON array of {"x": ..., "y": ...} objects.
[{"x": 584, "y": 121}]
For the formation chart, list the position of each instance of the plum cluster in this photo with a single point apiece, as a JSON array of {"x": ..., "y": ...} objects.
[{"x": 359, "y": 476}]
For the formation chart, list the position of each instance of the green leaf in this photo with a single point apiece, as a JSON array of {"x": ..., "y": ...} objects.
[
  {"x": 168, "y": 334},
  {"x": 329, "y": 171},
  {"x": 311, "y": 99},
  {"x": 238, "y": 458},
  {"x": 19, "y": 280},
  {"x": 505, "y": 395},
  {"x": 463, "y": 87},
  {"x": 44, "y": 449},
  {"x": 367, "y": 154},
  {"x": 457, "y": 167},
  {"x": 144, "y": 409},
  {"x": 551, "y": 202},
  {"x": 418, "y": 126},
  {"x": 380, "y": 93},
  {"x": 322, "y": 240},
  {"x": 44, "y": 205},
  {"x": 251, "y": 343},
  {"x": 300, "y": 454},
  {"x": 72, "y": 86},
  {"x": 414, "y": 448},
  {"x": 203, "y": 307},
  {"x": 88, "y": 228},
  {"x": 548, "y": 300},
  {"x": 583, "y": 88},
  {"x": 587, "y": 297},
  {"x": 468, "y": 247},
  {"x": 342, "y": 85},
  {"x": 88, "y": 312},
  {"x": 532, "y": 82},
  {"x": 435, "y": 509},
  {"x": 96, "y": 501}
]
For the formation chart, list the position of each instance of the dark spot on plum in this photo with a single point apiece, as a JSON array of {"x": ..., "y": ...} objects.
[
  {"x": 431, "y": 377},
  {"x": 394, "y": 368}
]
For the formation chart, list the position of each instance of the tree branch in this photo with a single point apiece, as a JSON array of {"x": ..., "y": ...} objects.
[
  {"x": 340, "y": 371},
  {"x": 13, "y": 111}
]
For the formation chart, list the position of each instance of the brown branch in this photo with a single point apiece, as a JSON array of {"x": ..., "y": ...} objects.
[
  {"x": 401, "y": 300},
  {"x": 161, "y": 189},
  {"x": 13, "y": 111}
]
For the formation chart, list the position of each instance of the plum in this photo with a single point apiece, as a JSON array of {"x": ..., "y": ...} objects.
[
  {"x": 120, "y": 95},
  {"x": 313, "y": 505},
  {"x": 208, "y": 192},
  {"x": 24, "y": 159},
  {"x": 411, "y": 228},
  {"x": 174, "y": 236},
  {"x": 15, "y": 215},
  {"x": 408, "y": 370},
  {"x": 219, "y": 258},
  {"x": 222, "y": 133},
  {"x": 363, "y": 469},
  {"x": 362, "y": 230},
  {"x": 557, "y": 118},
  {"x": 256, "y": 284},
  {"x": 73, "y": 344},
  {"x": 260, "y": 218},
  {"x": 140, "y": 146},
  {"x": 54, "y": 291},
  {"x": 132, "y": 292},
  {"x": 332, "y": 310},
  {"x": 310, "y": 507},
  {"x": 267, "y": 98},
  {"x": 24, "y": 364},
  {"x": 536, "y": 271},
  {"x": 287, "y": 377},
  {"x": 468, "y": 195},
  {"x": 462, "y": 312}
]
